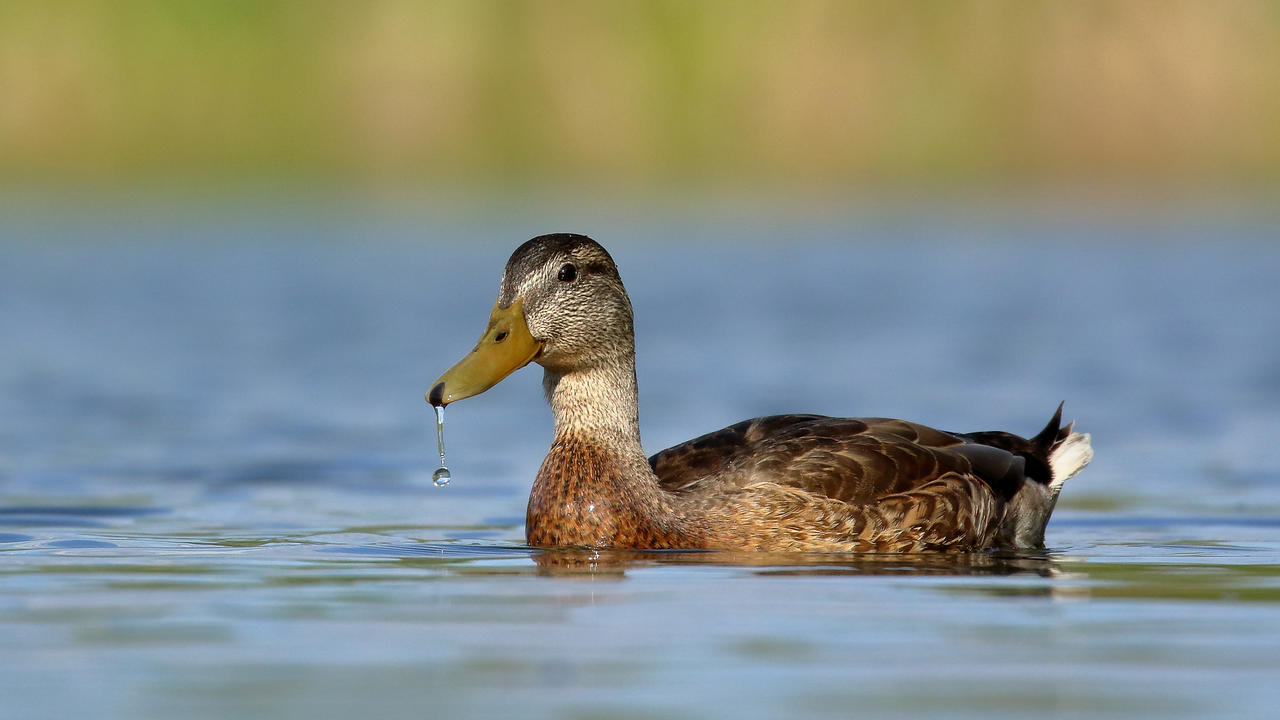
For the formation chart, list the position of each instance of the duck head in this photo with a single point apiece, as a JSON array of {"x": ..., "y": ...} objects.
[{"x": 561, "y": 304}]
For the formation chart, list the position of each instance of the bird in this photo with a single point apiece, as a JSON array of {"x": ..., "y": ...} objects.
[{"x": 782, "y": 483}]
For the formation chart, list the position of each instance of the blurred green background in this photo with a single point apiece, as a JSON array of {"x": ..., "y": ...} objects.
[{"x": 630, "y": 94}]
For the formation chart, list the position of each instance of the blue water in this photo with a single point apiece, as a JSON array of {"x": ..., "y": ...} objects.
[{"x": 215, "y": 466}]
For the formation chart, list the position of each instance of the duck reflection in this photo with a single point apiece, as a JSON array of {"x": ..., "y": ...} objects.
[{"x": 604, "y": 563}]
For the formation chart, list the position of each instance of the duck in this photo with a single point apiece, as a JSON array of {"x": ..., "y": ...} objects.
[{"x": 782, "y": 483}]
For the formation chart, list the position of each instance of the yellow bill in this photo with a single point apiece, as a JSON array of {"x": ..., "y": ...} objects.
[{"x": 505, "y": 346}]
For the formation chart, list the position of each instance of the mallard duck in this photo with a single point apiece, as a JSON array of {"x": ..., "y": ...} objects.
[{"x": 779, "y": 483}]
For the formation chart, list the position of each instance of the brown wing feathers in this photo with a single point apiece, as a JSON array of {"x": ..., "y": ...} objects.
[
  {"x": 1035, "y": 451},
  {"x": 856, "y": 460}
]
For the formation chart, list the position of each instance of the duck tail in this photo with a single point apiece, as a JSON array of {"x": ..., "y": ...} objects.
[
  {"x": 1068, "y": 453},
  {"x": 1053, "y": 455},
  {"x": 1052, "y": 434}
]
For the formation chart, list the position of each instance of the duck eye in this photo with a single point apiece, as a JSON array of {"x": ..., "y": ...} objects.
[{"x": 568, "y": 273}]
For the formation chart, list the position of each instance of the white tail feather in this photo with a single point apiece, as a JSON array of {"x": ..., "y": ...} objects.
[{"x": 1069, "y": 458}]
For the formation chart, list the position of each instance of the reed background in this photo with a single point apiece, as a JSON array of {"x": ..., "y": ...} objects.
[{"x": 572, "y": 93}]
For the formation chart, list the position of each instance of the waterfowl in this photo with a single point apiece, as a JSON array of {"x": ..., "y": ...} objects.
[{"x": 779, "y": 483}]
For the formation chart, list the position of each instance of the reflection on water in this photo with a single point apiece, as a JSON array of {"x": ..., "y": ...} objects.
[
  {"x": 216, "y": 496},
  {"x": 595, "y": 562}
]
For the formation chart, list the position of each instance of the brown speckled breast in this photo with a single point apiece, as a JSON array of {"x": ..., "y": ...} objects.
[{"x": 581, "y": 498}]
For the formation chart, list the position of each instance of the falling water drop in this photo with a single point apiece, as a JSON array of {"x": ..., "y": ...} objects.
[{"x": 442, "y": 475}]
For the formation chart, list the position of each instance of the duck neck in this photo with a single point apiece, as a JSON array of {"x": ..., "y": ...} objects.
[
  {"x": 595, "y": 488},
  {"x": 598, "y": 403}
]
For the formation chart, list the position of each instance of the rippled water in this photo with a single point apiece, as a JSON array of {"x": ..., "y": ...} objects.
[{"x": 216, "y": 496}]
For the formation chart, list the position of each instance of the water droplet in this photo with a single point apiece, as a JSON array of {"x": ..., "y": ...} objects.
[{"x": 441, "y": 476}]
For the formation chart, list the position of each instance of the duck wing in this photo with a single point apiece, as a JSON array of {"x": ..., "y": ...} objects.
[{"x": 855, "y": 460}]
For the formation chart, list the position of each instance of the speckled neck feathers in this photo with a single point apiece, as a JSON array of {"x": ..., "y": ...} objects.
[{"x": 595, "y": 487}]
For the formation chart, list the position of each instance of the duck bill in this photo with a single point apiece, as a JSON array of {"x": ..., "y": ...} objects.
[{"x": 505, "y": 346}]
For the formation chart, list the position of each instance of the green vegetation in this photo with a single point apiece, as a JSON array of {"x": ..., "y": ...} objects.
[{"x": 635, "y": 92}]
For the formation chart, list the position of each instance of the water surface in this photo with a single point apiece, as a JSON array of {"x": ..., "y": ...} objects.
[{"x": 216, "y": 496}]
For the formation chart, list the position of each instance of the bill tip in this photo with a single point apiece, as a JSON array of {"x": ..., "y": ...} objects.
[{"x": 436, "y": 396}]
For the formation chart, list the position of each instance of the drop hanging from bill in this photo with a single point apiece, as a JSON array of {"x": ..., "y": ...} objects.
[{"x": 442, "y": 475}]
